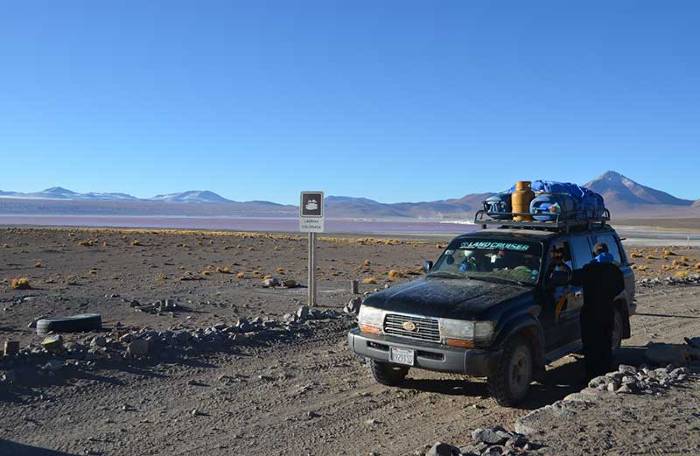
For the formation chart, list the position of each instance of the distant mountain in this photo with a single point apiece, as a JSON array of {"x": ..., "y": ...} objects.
[
  {"x": 192, "y": 196},
  {"x": 60, "y": 193},
  {"x": 459, "y": 208},
  {"x": 619, "y": 190},
  {"x": 623, "y": 196}
]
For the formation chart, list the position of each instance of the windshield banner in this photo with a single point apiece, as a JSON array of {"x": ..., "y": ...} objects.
[{"x": 494, "y": 245}]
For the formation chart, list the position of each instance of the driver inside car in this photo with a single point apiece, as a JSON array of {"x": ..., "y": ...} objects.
[{"x": 469, "y": 262}]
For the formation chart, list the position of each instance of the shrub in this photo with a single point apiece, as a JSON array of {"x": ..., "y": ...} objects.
[
  {"x": 240, "y": 275},
  {"x": 20, "y": 283},
  {"x": 681, "y": 274},
  {"x": 369, "y": 281},
  {"x": 87, "y": 243},
  {"x": 223, "y": 270},
  {"x": 136, "y": 243},
  {"x": 38, "y": 264},
  {"x": 394, "y": 274},
  {"x": 637, "y": 255}
]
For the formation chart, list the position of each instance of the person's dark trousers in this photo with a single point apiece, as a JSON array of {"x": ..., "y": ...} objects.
[{"x": 596, "y": 335}]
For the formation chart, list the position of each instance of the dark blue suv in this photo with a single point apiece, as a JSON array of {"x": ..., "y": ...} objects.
[{"x": 486, "y": 309}]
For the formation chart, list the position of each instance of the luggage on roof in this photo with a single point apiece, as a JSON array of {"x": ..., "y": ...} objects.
[{"x": 554, "y": 201}]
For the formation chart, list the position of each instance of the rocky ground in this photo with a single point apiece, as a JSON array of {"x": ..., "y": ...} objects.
[{"x": 213, "y": 379}]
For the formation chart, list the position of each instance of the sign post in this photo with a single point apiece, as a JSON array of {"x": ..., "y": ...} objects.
[{"x": 311, "y": 220}]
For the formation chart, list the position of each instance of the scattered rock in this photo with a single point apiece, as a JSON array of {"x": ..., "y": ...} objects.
[
  {"x": 11, "y": 347},
  {"x": 303, "y": 313},
  {"x": 353, "y": 306},
  {"x": 271, "y": 282},
  {"x": 138, "y": 348},
  {"x": 53, "y": 343},
  {"x": 290, "y": 283},
  {"x": 98, "y": 341},
  {"x": 443, "y": 449}
]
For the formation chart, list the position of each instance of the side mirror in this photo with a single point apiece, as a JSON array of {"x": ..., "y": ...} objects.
[{"x": 427, "y": 266}]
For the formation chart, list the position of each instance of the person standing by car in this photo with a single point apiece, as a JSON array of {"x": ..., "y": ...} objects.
[{"x": 602, "y": 282}]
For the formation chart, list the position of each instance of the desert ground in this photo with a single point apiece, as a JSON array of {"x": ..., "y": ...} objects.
[{"x": 288, "y": 392}]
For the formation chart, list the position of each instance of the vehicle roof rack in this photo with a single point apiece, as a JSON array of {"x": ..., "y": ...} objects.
[{"x": 486, "y": 219}]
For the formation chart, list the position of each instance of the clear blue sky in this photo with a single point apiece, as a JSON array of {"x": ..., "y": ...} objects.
[{"x": 392, "y": 100}]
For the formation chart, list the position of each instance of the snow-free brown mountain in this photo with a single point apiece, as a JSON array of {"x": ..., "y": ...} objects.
[{"x": 623, "y": 196}]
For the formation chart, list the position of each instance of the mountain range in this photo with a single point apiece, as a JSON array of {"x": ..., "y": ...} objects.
[{"x": 623, "y": 196}]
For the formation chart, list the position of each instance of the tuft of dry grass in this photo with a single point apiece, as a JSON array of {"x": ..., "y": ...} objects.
[
  {"x": 38, "y": 264},
  {"x": 240, "y": 275},
  {"x": 87, "y": 243},
  {"x": 280, "y": 270},
  {"x": 681, "y": 274},
  {"x": 637, "y": 255},
  {"x": 394, "y": 274},
  {"x": 366, "y": 263},
  {"x": 697, "y": 266},
  {"x": 679, "y": 263},
  {"x": 652, "y": 257},
  {"x": 223, "y": 270},
  {"x": 20, "y": 283},
  {"x": 369, "y": 281},
  {"x": 668, "y": 252},
  {"x": 136, "y": 243}
]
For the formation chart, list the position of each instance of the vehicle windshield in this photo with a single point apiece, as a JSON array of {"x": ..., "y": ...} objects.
[{"x": 488, "y": 259}]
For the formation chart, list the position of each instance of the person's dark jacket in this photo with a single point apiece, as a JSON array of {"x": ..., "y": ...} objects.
[{"x": 601, "y": 282}]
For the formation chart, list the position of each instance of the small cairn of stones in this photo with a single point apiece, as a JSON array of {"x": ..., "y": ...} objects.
[
  {"x": 630, "y": 380},
  {"x": 687, "y": 280},
  {"x": 494, "y": 441}
]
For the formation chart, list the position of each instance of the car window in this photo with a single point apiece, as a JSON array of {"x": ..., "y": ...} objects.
[
  {"x": 611, "y": 242},
  {"x": 581, "y": 250}
]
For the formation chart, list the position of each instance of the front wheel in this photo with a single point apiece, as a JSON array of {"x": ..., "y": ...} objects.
[
  {"x": 388, "y": 374},
  {"x": 510, "y": 382}
]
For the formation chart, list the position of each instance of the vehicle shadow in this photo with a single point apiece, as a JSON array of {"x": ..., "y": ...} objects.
[
  {"x": 559, "y": 382},
  {"x": 18, "y": 449},
  {"x": 566, "y": 377}
]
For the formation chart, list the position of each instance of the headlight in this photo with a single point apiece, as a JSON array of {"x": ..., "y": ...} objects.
[
  {"x": 483, "y": 330},
  {"x": 370, "y": 319},
  {"x": 461, "y": 333},
  {"x": 456, "y": 329}
]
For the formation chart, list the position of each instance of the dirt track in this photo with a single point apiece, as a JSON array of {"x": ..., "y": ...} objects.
[{"x": 306, "y": 397}]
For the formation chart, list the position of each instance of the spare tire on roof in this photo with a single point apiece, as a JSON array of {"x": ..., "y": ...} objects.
[{"x": 75, "y": 323}]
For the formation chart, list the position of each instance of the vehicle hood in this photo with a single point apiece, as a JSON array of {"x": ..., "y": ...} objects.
[{"x": 445, "y": 298}]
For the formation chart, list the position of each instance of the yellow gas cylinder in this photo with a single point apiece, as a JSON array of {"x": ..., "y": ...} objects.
[{"x": 520, "y": 200}]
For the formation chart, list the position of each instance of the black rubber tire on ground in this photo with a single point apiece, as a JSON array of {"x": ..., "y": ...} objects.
[
  {"x": 388, "y": 374},
  {"x": 75, "y": 323},
  {"x": 510, "y": 383}
]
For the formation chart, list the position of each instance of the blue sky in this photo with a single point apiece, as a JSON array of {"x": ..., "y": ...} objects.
[{"x": 392, "y": 100}]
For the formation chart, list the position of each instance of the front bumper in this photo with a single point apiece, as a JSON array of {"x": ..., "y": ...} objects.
[{"x": 470, "y": 361}]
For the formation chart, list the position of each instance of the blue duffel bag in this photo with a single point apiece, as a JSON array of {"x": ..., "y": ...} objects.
[
  {"x": 548, "y": 207},
  {"x": 498, "y": 206}
]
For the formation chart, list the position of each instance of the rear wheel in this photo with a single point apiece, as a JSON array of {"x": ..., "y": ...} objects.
[
  {"x": 510, "y": 383},
  {"x": 388, "y": 374}
]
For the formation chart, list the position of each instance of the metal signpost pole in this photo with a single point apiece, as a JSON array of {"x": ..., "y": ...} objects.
[
  {"x": 312, "y": 269},
  {"x": 311, "y": 221}
]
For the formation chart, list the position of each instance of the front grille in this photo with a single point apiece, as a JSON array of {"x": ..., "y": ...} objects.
[{"x": 426, "y": 328}]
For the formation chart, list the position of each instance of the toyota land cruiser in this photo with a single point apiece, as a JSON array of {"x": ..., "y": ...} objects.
[{"x": 486, "y": 309}]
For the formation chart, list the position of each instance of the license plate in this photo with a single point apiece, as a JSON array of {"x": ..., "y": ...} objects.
[{"x": 402, "y": 356}]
